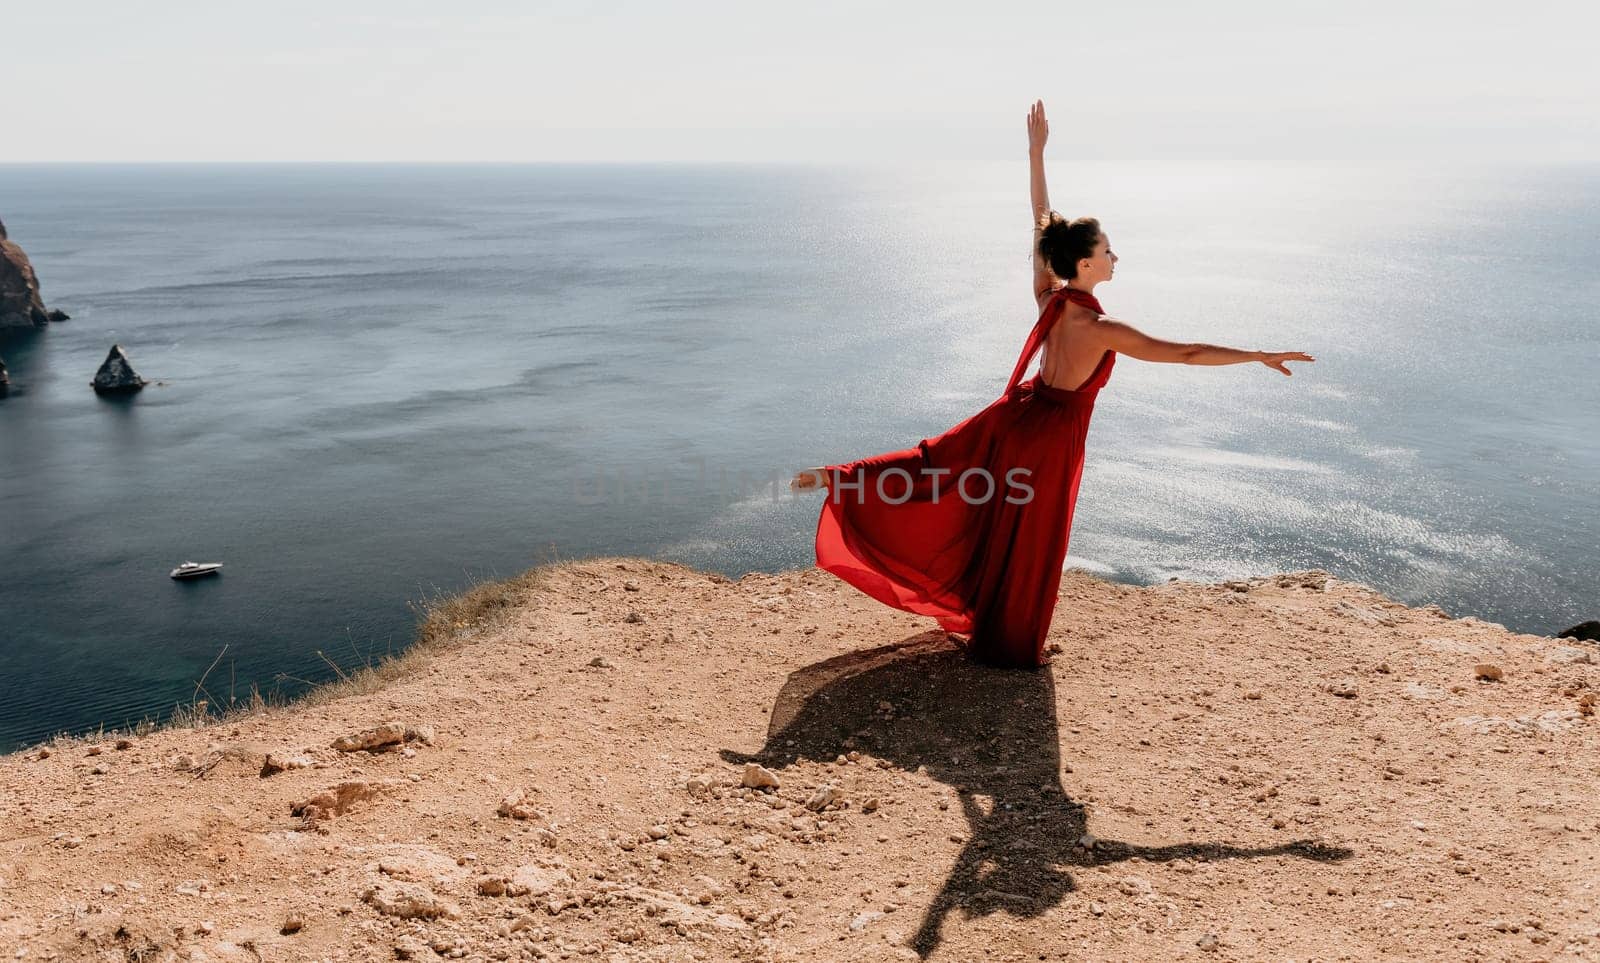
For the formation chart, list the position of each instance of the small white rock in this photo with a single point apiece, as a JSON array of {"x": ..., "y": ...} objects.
[{"x": 758, "y": 777}]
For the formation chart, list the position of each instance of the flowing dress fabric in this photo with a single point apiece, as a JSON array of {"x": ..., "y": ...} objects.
[{"x": 972, "y": 529}]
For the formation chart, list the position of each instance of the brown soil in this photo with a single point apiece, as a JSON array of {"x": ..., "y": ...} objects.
[{"x": 1290, "y": 768}]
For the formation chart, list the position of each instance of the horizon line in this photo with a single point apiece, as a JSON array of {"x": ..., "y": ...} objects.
[{"x": 837, "y": 162}]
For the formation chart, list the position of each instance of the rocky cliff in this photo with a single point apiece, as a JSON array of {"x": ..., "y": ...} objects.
[
  {"x": 629, "y": 760},
  {"x": 20, "y": 303}
]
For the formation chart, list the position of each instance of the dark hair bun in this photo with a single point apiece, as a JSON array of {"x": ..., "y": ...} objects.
[{"x": 1063, "y": 243}]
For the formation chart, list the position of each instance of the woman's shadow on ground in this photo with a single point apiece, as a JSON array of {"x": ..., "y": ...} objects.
[{"x": 991, "y": 734}]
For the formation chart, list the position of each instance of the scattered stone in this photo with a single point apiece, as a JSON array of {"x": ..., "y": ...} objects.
[
  {"x": 277, "y": 762},
  {"x": 517, "y": 805},
  {"x": 335, "y": 802},
  {"x": 600, "y": 662},
  {"x": 823, "y": 798},
  {"x": 386, "y": 737},
  {"x": 408, "y": 901},
  {"x": 1488, "y": 671},
  {"x": 124, "y": 744},
  {"x": 871, "y": 805},
  {"x": 758, "y": 777},
  {"x": 630, "y": 586},
  {"x": 292, "y": 924},
  {"x": 1207, "y": 942},
  {"x": 634, "y": 617},
  {"x": 389, "y": 733},
  {"x": 1344, "y": 688},
  {"x": 864, "y": 919}
]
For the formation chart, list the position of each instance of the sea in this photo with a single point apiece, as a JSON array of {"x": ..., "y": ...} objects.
[{"x": 374, "y": 386}]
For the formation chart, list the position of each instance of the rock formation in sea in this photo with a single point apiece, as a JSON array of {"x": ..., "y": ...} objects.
[
  {"x": 116, "y": 373},
  {"x": 20, "y": 304},
  {"x": 5, "y": 379}
]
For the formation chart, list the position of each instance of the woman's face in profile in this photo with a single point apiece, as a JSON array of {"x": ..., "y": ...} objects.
[{"x": 1102, "y": 264}]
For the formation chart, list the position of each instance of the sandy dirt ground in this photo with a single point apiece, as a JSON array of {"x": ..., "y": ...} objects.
[{"x": 640, "y": 761}]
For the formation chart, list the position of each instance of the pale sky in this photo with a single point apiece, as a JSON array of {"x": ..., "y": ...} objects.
[{"x": 474, "y": 80}]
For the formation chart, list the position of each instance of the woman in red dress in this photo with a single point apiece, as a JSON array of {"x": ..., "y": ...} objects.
[{"x": 971, "y": 527}]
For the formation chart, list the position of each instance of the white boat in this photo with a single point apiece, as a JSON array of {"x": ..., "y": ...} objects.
[{"x": 191, "y": 569}]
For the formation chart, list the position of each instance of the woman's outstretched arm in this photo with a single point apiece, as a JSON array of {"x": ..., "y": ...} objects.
[
  {"x": 1038, "y": 133},
  {"x": 1124, "y": 338},
  {"x": 1039, "y": 195}
]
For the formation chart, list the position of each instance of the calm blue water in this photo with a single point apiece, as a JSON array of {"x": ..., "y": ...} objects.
[{"x": 387, "y": 382}]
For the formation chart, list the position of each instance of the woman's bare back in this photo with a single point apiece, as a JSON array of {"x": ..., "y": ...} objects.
[{"x": 1071, "y": 355}]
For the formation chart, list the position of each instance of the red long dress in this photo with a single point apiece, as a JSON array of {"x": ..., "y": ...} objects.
[{"x": 924, "y": 540}]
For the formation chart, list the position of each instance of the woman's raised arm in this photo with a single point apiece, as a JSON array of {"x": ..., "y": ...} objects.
[
  {"x": 1039, "y": 195},
  {"x": 1038, "y": 133}
]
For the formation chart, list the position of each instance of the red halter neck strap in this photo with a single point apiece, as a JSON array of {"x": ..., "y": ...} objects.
[{"x": 1047, "y": 319}]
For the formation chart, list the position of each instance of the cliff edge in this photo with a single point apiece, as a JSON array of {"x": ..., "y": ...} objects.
[{"x": 634, "y": 760}]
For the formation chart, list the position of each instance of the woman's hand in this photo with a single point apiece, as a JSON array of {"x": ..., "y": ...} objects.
[
  {"x": 1275, "y": 359},
  {"x": 1038, "y": 128},
  {"x": 810, "y": 479}
]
